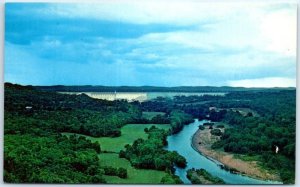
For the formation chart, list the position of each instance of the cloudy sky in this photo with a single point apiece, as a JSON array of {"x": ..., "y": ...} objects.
[{"x": 151, "y": 43}]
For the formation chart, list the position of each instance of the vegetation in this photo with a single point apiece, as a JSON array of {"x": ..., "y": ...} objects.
[
  {"x": 201, "y": 127},
  {"x": 149, "y": 154},
  {"x": 39, "y": 111},
  {"x": 201, "y": 176},
  {"x": 33, "y": 122},
  {"x": 52, "y": 159},
  {"x": 35, "y": 119},
  {"x": 171, "y": 179},
  {"x": 120, "y": 172},
  {"x": 130, "y": 133},
  {"x": 134, "y": 176},
  {"x": 178, "y": 119},
  {"x": 216, "y": 132},
  {"x": 151, "y": 115},
  {"x": 275, "y": 127},
  {"x": 271, "y": 123},
  {"x": 220, "y": 126}
]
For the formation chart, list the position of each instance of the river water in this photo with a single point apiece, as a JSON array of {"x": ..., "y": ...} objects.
[{"x": 181, "y": 143}]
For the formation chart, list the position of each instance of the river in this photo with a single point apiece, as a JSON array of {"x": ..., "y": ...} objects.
[{"x": 181, "y": 143}]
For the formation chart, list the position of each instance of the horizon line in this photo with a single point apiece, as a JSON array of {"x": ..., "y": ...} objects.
[{"x": 81, "y": 85}]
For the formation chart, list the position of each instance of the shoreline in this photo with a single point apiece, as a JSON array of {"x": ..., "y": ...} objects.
[{"x": 213, "y": 156}]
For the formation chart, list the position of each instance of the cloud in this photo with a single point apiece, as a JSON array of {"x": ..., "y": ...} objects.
[
  {"x": 156, "y": 12},
  {"x": 27, "y": 29},
  {"x": 279, "y": 29},
  {"x": 146, "y": 43},
  {"x": 268, "y": 82}
]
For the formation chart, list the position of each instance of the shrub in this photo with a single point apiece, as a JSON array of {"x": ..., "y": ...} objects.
[{"x": 216, "y": 132}]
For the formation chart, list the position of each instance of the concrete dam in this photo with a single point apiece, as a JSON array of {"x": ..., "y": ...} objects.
[{"x": 111, "y": 96}]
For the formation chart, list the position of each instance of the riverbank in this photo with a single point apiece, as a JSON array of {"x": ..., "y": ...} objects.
[{"x": 202, "y": 141}]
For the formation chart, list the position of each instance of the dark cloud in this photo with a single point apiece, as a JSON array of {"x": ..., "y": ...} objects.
[
  {"x": 24, "y": 26},
  {"x": 42, "y": 48}
]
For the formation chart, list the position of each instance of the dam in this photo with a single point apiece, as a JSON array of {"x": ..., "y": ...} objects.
[
  {"x": 140, "y": 96},
  {"x": 112, "y": 96}
]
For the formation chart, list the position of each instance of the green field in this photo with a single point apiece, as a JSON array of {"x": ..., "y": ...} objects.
[
  {"x": 129, "y": 132},
  {"x": 135, "y": 176},
  {"x": 150, "y": 115}
]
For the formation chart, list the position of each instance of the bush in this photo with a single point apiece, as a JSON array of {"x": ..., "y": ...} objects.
[
  {"x": 171, "y": 179},
  {"x": 122, "y": 173},
  {"x": 216, "y": 132},
  {"x": 201, "y": 127},
  {"x": 208, "y": 124},
  {"x": 220, "y": 126},
  {"x": 122, "y": 154},
  {"x": 217, "y": 145},
  {"x": 108, "y": 170}
]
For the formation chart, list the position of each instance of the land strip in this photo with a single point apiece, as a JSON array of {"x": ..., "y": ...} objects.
[{"x": 202, "y": 141}]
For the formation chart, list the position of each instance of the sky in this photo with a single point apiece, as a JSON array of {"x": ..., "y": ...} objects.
[{"x": 157, "y": 43}]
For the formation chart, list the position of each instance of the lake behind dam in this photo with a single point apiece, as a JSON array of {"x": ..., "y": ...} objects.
[{"x": 140, "y": 96}]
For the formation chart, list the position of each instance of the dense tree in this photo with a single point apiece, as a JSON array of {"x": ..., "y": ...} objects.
[
  {"x": 52, "y": 159},
  {"x": 149, "y": 154},
  {"x": 178, "y": 119},
  {"x": 52, "y": 112},
  {"x": 35, "y": 151}
]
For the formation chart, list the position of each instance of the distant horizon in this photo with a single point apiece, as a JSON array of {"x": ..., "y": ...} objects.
[
  {"x": 141, "y": 86},
  {"x": 151, "y": 43}
]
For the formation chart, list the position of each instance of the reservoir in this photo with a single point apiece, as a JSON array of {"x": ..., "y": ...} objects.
[
  {"x": 181, "y": 143},
  {"x": 140, "y": 96}
]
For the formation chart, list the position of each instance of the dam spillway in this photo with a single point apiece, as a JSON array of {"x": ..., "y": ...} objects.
[{"x": 111, "y": 96}]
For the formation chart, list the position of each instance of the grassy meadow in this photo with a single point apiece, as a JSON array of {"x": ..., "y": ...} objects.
[
  {"x": 137, "y": 176},
  {"x": 129, "y": 132}
]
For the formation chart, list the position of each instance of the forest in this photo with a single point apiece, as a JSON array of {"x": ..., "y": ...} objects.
[
  {"x": 271, "y": 123},
  {"x": 36, "y": 117},
  {"x": 35, "y": 121},
  {"x": 50, "y": 159},
  {"x": 46, "y": 111}
]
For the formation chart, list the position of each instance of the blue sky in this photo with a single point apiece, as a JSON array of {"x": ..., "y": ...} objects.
[{"x": 151, "y": 43}]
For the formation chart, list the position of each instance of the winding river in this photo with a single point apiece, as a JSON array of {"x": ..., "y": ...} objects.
[{"x": 181, "y": 143}]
